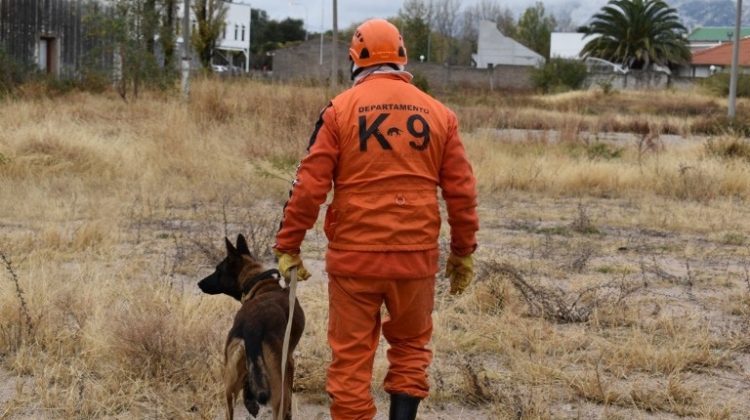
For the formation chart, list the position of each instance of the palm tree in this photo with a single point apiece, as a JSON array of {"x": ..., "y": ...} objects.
[{"x": 637, "y": 33}]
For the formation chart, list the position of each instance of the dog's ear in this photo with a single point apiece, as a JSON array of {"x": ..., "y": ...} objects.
[
  {"x": 242, "y": 247},
  {"x": 231, "y": 250}
]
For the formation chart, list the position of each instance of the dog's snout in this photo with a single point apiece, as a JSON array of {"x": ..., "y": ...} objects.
[{"x": 210, "y": 285}]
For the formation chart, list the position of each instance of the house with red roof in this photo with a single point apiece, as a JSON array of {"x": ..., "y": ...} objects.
[
  {"x": 716, "y": 59},
  {"x": 711, "y": 36}
]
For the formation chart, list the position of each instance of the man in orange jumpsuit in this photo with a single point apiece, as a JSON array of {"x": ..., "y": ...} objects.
[{"x": 385, "y": 147}]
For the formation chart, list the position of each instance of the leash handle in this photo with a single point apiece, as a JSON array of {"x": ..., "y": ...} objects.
[{"x": 287, "y": 336}]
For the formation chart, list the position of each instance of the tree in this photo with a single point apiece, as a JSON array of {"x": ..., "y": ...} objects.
[
  {"x": 129, "y": 28},
  {"x": 565, "y": 23},
  {"x": 415, "y": 18},
  {"x": 445, "y": 22},
  {"x": 122, "y": 38},
  {"x": 278, "y": 33},
  {"x": 258, "y": 23},
  {"x": 506, "y": 23},
  {"x": 637, "y": 33},
  {"x": 535, "y": 28},
  {"x": 149, "y": 24},
  {"x": 209, "y": 17},
  {"x": 559, "y": 74},
  {"x": 487, "y": 10},
  {"x": 268, "y": 35},
  {"x": 167, "y": 32}
]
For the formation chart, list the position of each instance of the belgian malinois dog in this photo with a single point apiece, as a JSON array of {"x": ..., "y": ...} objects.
[{"x": 252, "y": 355}]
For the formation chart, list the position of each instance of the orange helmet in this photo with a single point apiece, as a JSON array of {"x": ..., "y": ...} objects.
[{"x": 377, "y": 41}]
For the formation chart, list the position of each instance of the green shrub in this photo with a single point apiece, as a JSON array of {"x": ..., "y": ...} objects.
[
  {"x": 559, "y": 74},
  {"x": 95, "y": 81},
  {"x": 57, "y": 86},
  {"x": 734, "y": 238},
  {"x": 43, "y": 85},
  {"x": 595, "y": 151},
  {"x": 17, "y": 77},
  {"x": 606, "y": 86},
  {"x": 421, "y": 82},
  {"x": 604, "y": 151},
  {"x": 718, "y": 84},
  {"x": 12, "y": 73}
]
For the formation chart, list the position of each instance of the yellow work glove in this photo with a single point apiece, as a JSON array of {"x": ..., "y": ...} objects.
[
  {"x": 460, "y": 270},
  {"x": 289, "y": 261}
]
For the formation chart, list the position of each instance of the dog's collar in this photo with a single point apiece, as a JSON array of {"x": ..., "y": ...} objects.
[{"x": 256, "y": 281}]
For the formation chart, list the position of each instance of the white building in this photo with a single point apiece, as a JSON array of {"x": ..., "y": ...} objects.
[
  {"x": 496, "y": 49},
  {"x": 236, "y": 35},
  {"x": 567, "y": 44}
]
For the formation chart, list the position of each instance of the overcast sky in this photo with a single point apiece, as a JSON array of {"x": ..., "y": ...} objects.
[{"x": 351, "y": 11}]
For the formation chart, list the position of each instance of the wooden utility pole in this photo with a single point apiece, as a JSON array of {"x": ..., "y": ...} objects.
[
  {"x": 335, "y": 47},
  {"x": 186, "y": 50},
  {"x": 735, "y": 63},
  {"x": 322, "y": 29}
]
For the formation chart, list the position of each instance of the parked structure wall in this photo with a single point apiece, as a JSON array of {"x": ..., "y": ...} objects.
[
  {"x": 444, "y": 78},
  {"x": 633, "y": 80},
  {"x": 50, "y": 35},
  {"x": 302, "y": 63}
]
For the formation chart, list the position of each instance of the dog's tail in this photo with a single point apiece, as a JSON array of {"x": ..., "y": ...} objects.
[{"x": 257, "y": 376}]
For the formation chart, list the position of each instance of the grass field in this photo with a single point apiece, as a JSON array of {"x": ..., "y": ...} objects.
[{"x": 614, "y": 247}]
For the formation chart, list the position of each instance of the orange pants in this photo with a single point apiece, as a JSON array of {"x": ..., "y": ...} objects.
[{"x": 354, "y": 331}]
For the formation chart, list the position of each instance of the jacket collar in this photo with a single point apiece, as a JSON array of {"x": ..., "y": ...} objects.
[{"x": 382, "y": 72}]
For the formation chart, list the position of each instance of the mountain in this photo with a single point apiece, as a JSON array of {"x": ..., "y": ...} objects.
[
  {"x": 710, "y": 12},
  {"x": 693, "y": 12}
]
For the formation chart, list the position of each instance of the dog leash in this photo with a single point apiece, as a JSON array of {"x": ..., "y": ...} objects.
[{"x": 287, "y": 336}]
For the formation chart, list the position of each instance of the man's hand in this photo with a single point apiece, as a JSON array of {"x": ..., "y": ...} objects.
[
  {"x": 460, "y": 270},
  {"x": 289, "y": 261}
]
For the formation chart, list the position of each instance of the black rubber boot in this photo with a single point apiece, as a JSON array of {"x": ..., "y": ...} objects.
[{"x": 403, "y": 407}]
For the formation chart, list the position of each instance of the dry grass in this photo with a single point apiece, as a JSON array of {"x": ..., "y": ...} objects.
[
  {"x": 666, "y": 112},
  {"x": 110, "y": 213}
]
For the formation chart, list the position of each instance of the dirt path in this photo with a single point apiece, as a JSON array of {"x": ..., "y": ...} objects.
[
  {"x": 691, "y": 287},
  {"x": 554, "y": 136},
  {"x": 7, "y": 391},
  {"x": 306, "y": 410},
  {"x": 12, "y": 402}
]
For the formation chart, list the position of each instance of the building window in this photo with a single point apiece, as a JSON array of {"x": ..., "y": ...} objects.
[
  {"x": 243, "y": 32},
  {"x": 236, "y": 28}
]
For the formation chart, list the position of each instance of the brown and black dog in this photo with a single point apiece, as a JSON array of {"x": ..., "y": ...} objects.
[{"x": 254, "y": 345}]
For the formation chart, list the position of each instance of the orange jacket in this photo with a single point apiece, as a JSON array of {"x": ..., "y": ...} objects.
[{"x": 386, "y": 147}]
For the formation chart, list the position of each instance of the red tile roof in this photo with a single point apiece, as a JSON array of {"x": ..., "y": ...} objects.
[{"x": 721, "y": 55}]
